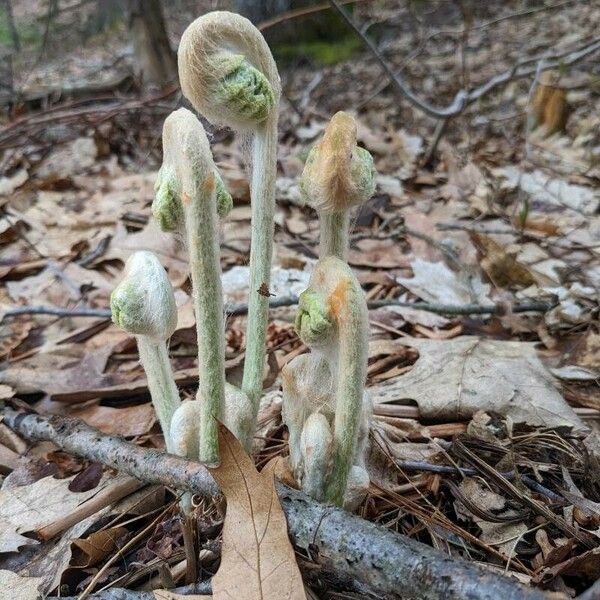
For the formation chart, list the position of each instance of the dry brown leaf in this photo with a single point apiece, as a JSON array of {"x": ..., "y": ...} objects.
[
  {"x": 31, "y": 507},
  {"x": 128, "y": 421},
  {"x": 48, "y": 287},
  {"x": 586, "y": 565},
  {"x": 257, "y": 560},
  {"x": 462, "y": 182},
  {"x": 435, "y": 282},
  {"x": 551, "y": 191},
  {"x": 169, "y": 250},
  {"x": 379, "y": 254},
  {"x": 280, "y": 468},
  {"x": 502, "y": 535},
  {"x": 76, "y": 372},
  {"x": 587, "y": 352},
  {"x": 418, "y": 221},
  {"x": 501, "y": 268},
  {"x": 70, "y": 159},
  {"x": 50, "y": 565},
  {"x": 21, "y": 588},
  {"x": 95, "y": 547},
  {"x": 453, "y": 379},
  {"x": 12, "y": 335},
  {"x": 546, "y": 224}
]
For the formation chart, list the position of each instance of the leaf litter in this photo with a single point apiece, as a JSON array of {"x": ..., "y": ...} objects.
[{"x": 493, "y": 227}]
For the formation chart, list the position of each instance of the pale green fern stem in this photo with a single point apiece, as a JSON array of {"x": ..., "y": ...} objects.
[
  {"x": 261, "y": 251},
  {"x": 190, "y": 197},
  {"x": 201, "y": 225},
  {"x": 334, "y": 234},
  {"x": 350, "y": 381},
  {"x": 332, "y": 320},
  {"x": 144, "y": 305},
  {"x": 163, "y": 390},
  {"x": 228, "y": 74}
]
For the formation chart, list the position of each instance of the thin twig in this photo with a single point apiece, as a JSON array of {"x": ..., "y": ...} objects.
[
  {"x": 242, "y": 309},
  {"x": 299, "y": 12},
  {"x": 103, "y": 313},
  {"x": 121, "y": 552},
  {"x": 490, "y": 473},
  {"x": 122, "y": 594},
  {"x": 421, "y": 465}
]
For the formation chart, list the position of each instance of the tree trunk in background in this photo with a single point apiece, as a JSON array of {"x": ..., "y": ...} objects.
[
  {"x": 107, "y": 13},
  {"x": 260, "y": 10},
  {"x": 156, "y": 61},
  {"x": 10, "y": 20}
]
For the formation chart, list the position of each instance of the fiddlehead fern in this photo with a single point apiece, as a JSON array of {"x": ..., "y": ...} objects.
[
  {"x": 338, "y": 175},
  {"x": 143, "y": 304},
  {"x": 228, "y": 74},
  {"x": 332, "y": 321}
]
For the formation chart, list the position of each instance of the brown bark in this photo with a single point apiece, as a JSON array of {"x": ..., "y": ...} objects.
[{"x": 156, "y": 59}]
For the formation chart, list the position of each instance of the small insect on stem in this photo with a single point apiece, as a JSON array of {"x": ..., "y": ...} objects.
[{"x": 263, "y": 290}]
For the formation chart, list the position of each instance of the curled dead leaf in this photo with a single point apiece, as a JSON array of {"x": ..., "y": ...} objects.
[
  {"x": 501, "y": 268},
  {"x": 258, "y": 561}
]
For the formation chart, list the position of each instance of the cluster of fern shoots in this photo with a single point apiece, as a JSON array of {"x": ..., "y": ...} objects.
[{"x": 229, "y": 76}]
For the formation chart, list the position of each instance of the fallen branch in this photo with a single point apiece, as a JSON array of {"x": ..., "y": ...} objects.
[
  {"x": 242, "y": 309},
  {"x": 383, "y": 561}
]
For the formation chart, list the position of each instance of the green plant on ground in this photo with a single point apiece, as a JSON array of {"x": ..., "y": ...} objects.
[{"x": 228, "y": 74}]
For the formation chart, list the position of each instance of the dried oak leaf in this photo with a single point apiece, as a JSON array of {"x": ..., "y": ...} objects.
[
  {"x": 435, "y": 282},
  {"x": 501, "y": 268},
  {"x": 257, "y": 559},
  {"x": 21, "y": 588},
  {"x": 453, "y": 379},
  {"x": 89, "y": 551},
  {"x": 31, "y": 507}
]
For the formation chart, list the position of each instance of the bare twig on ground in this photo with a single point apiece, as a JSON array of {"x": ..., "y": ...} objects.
[
  {"x": 242, "y": 309},
  {"x": 123, "y": 594},
  {"x": 299, "y": 12},
  {"x": 420, "y": 465},
  {"x": 383, "y": 561}
]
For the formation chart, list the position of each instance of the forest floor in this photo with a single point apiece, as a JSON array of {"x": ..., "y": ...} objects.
[{"x": 503, "y": 216}]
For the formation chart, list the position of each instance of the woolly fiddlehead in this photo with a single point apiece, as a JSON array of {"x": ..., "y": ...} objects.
[
  {"x": 332, "y": 322},
  {"x": 143, "y": 304},
  {"x": 228, "y": 74},
  {"x": 187, "y": 195},
  {"x": 338, "y": 175}
]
